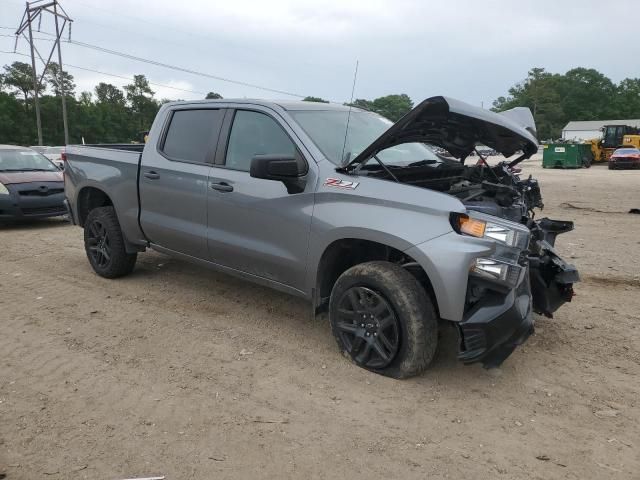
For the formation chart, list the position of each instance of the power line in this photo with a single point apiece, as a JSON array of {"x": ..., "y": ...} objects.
[
  {"x": 114, "y": 75},
  {"x": 169, "y": 66},
  {"x": 181, "y": 69},
  {"x": 131, "y": 79}
]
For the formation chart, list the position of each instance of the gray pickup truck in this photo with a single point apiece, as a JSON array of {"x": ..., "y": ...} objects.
[{"x": 338, "y": 205}]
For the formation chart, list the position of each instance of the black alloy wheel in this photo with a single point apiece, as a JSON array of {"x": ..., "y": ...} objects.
[
  {"x": 368, "y": 327},
  {"x": 105, "y": 244},
  {"x": 99, "y": 246}
]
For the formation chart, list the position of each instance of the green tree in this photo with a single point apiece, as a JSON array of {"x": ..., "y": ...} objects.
[
  {"x": 19, "y": 76},
  {"x": 140, "y": 98},
  {"x": 16, "y": 126},
  {"x": 315, "y": 99},
  {"x": 627, "y": 104},
  {"x": 59, "y": 82},
  {"x": 586, "y": 94},
  {"x": 108, "y": 93},
  {"x": 392, "y": 107},
  {"x": 213, "y": 96},
  {"x": 579, "y": 94},
  {"x": 361, "y": 103},
  {"x": 86, "y": 99}
]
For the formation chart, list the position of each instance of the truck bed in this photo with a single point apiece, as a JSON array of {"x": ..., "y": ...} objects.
[{"x": 112, "y": 169}]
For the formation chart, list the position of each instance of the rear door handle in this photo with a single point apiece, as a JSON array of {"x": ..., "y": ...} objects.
[
  {"x": 222, "y": 187},
  {"x": 152, "y": 175}
]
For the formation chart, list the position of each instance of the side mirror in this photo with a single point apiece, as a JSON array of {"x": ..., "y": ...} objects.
[
  {"x": 276, "y": 167},
  {"x": 288, "y": 169}
]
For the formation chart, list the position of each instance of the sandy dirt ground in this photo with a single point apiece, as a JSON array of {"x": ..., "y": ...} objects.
[{"x": 187, "y": 373}]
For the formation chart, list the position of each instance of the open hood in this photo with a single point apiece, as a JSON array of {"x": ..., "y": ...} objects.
[{"x": 458, "y": 127}]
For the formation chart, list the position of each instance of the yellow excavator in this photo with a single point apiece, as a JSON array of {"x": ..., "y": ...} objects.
[{"x": 613, "y": 136}]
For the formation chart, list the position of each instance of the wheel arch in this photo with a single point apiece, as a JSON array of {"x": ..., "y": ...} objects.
[
  {"x": 90, "y": 197},
  {"x": 343, "y": 253}
]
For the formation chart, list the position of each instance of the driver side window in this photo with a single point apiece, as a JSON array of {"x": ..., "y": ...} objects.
[{"x": 254, "y": 133}]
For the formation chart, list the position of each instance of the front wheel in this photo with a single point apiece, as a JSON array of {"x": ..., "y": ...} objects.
[
  {"x": 104, "y": 244},
  {"x": 383, "y": 319}
]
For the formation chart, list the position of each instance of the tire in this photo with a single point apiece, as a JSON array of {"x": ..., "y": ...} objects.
[
  {"x": 380, "y": 307},
  {"x": 104, "y": 244}
]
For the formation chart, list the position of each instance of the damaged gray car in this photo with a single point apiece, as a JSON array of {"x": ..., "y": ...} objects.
[{"x": 341, "y": 207}]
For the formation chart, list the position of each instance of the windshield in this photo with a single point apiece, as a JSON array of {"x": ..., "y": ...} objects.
[
  {"x": 327, "y": 128},
  {"x": 24, "y": 160},
  {"x": 613, "y": 135},
  {"x": 626, "y": 151}
]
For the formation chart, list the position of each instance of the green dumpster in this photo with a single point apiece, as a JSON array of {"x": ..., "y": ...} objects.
[{"x": 567, "y": 155}]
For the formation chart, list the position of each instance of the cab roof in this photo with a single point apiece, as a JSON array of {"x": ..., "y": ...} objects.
[{"x": 285, "y": 104}]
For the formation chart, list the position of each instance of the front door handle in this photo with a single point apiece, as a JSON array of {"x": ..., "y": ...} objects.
[
  {"x": 152, "y": 175},
  {"x": 222, "y": 187}
]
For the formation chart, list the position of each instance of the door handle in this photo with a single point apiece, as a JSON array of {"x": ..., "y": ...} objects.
[
  {"x": 152, "y": 175},
  {"x": 222, "y": 187}
]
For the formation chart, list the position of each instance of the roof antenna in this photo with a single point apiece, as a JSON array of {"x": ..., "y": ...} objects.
[{"x": 346, "y": 131}]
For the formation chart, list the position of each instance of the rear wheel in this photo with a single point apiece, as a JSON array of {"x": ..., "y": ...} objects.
[
  {"x": 104, "y": 244},
  {"x": 383, "y": 319}
]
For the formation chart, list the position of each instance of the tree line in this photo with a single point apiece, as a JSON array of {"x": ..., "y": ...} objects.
[
  {"x": 111, "y": 114},
  {"x": 579, "y": 94},
  {"x": 106, "y": 115}
]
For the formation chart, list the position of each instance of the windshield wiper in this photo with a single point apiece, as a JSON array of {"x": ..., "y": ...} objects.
[
  {"x": 422, "y": 162},
  {"x": 25, "y": 170}
]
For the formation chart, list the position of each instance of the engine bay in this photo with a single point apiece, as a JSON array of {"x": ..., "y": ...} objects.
[{"x": 494, "y": 190}]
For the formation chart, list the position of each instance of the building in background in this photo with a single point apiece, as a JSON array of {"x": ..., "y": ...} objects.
[{"x": 586, "y": 130}]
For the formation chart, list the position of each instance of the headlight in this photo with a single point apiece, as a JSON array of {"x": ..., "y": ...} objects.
[
  {"x": 3, "y": 190},
  {"x": 505, "y": 265},
  {"x": 483, "y": 226},
  {"x": 501, "y": 272}
]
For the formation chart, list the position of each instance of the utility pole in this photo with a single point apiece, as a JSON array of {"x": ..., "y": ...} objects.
[{"x": 34, "y": 11}]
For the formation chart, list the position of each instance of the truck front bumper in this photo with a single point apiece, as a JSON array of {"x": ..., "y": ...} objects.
[{"x": 496, "y": 325}]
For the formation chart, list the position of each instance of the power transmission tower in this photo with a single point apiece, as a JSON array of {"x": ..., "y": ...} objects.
[{"x": 34, "y": 11}]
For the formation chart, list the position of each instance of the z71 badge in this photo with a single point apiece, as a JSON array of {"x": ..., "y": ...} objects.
[{"x": 338, "y": 183}]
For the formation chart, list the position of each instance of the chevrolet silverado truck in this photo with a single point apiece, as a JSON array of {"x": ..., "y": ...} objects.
[{"x": 340, "y": 206}]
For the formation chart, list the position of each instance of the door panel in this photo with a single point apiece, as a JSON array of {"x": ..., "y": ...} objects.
[
  {"x": 174, "y": 206},
  {"x": 255, "y": 226},
  {"x": 174, "y": 181},
  {"x": 259, "y": 228}
]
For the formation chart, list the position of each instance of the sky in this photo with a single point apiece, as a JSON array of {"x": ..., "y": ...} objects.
[{"x": 473, "y": 50}]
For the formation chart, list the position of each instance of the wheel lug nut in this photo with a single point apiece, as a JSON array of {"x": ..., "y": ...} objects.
[{"x": 375, "y": 334}]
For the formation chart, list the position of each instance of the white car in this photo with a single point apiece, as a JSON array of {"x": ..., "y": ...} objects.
[{"x": 52, "y": 153}]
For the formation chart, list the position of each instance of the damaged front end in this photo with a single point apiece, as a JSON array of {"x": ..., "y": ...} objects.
[
  {"x": 498, "y": 317},
  {"x": 498, "y": 313},
  {"x": 500, "y": 192},
  {"x": 524, "y": 275}
]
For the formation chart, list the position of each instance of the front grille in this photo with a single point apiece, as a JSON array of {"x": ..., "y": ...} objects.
[
  {"x": 59, "y": 209},
  {"x": 41, "y": 193}
]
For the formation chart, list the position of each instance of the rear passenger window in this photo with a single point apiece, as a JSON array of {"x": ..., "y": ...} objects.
[
  {"x": 254, "y": 134},
  {"x": 190, "y": 134}
]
